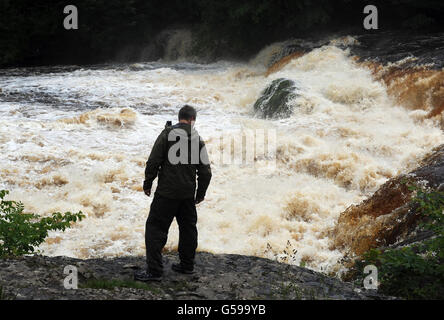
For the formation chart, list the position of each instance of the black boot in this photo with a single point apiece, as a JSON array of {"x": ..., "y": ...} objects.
[
  {"x": 146, "y": 276},
  {"x": 178, "y": 268}
]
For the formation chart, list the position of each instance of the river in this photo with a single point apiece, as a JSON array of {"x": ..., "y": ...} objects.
[{"x": 77, "y": 138}]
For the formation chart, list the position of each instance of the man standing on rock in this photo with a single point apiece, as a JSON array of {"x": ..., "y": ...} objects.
[{"x": 178, "y": 155}]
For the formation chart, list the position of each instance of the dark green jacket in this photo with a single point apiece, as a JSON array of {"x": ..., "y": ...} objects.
[{"x": 178, "y": 180}]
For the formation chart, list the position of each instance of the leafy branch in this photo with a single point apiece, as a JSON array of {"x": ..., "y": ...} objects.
[{"x": 21, "y": 233}]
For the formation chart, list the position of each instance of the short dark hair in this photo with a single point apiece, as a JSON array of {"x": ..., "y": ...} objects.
[{"x": 187, "y": 112}]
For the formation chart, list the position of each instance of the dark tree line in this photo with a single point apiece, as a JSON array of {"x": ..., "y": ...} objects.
[{"x": 32, "y": 33}]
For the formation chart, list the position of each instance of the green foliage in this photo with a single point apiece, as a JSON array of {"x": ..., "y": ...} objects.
[
  {"x": 430, "y": 204},
  {"x": 21, "y": 233},
  {"x": 416, "y": 271},
  {"x": 116, "y": 283}
]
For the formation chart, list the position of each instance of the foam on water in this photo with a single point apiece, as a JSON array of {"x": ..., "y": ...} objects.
[{"x": 345, "y": 138}]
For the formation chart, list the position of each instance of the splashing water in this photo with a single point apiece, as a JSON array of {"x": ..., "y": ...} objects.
[{"x": 78, "y": 140}]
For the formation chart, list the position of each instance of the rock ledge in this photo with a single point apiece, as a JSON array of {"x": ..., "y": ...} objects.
[{"x": 223, "y": 276}]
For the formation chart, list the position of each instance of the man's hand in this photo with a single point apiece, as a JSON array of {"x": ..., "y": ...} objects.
[
  {"x": 198, "y": 200},
  {"x": 147, "y": 192}
]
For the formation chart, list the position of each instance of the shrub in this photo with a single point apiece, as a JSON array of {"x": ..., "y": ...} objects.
[
  {"x": 415, "y": 271},
  {"x": 21, "y": 233}
]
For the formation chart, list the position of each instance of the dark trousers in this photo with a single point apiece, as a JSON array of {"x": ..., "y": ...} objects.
[{"x": 162, "y": 213}]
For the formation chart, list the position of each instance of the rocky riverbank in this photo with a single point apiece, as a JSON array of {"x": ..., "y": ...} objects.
[
  {"x": 222, "y": 276},
  {"x": 388, "y": 217}
]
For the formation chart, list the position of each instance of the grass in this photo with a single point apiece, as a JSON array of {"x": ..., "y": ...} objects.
[
  {"x": 291, "y": 290},
  {"x": 2, "y": 294},
  {"x": 116, "y": 283}
]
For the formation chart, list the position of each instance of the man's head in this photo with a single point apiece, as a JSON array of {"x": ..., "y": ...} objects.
[{"x": 187, "y": 114}]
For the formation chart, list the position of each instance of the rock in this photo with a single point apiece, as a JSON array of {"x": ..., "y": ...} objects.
[
  {"x": 397, "y": 46},
  {"x": 229, "y": 277},
  {"x": 274, "y": 100},
  {"x": 387, "y": 217}
]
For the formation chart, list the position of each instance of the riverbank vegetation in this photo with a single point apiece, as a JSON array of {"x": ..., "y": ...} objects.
[
  {"x": 21, "y": 233},
  {"x": 414, "y": 271}
]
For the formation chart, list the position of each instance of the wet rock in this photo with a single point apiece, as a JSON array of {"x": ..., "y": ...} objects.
[
  {"x": 391, "y": 47},
  {"x": 387, "y": 217},
  {"x": 274, "y": 100}
]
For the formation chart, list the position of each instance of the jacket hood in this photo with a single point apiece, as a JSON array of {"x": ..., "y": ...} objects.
[{"x": 184, "y": 130}]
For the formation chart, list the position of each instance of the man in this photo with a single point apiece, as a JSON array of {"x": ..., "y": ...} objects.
[{"x": 178, "y": 155}]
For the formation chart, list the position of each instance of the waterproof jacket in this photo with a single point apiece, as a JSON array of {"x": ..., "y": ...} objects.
[{"x": 175, "y": 160}]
